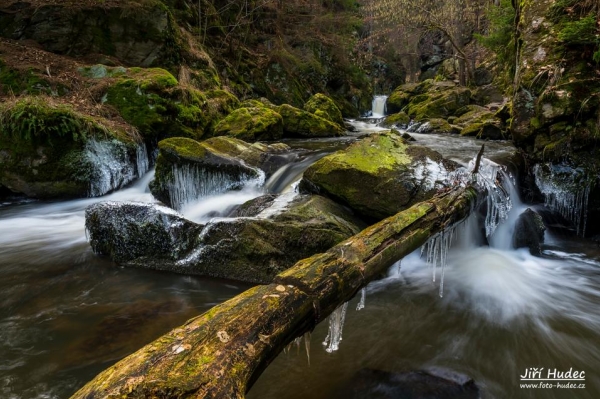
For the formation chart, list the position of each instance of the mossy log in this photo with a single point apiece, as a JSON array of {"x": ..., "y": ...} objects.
[{"x": 222, "y": 352}]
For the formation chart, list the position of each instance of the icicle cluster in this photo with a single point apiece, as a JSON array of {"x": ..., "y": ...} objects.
[
  {"x": 566, "y": 191},
  {"x": 336, "y": 325},
  {"x": 141, "y": 159},
  {"x": 437, "y": 248},
  {"x": 111, "y": 166},
  {"x": 190, "y": 183}
]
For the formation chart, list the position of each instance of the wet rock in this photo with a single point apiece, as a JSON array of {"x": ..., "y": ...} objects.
[
  {"x": 400, "y": 119},
  {"x": 128, "y": 231},
  {"x": 430, "y": 384},
  {"x": 379, "y": 175},
  {"x": 254, "y": 206},
  {"x": 187, "y": 169},
  {"x": 325, "y": 107},
  {"x": 529, "y": 232},
  {"x": 246, "y": 249}
]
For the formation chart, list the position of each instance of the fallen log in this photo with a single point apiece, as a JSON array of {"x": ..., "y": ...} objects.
[{"x": 221, "y": 353}]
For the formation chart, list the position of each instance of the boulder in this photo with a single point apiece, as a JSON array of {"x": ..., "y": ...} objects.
[
  {"x": 419, "y": 384},
  {"x": 251, "y": 124},
  {"x": 400, "y": 119},
  {"x": 439, "y": 102},
  {"x": 246, "y": 249},
  {"x": 49, "y": 150},
  {"x": 325, "y": 107},
  {"x": 299, "y": 123},
  {"x": 379, "y": 175},
  {"x": 529, "y": 232},
  {"x": 187, "y": 169}
]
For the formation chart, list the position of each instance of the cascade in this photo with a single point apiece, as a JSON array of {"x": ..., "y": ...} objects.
[
  {"x": 336, "y": 325},
  {"x": 191, "y": 183},
  {"x": 111, "y": 166},
  {"x": 566, "y": 191},
  {"x": 378, "y": 106}
]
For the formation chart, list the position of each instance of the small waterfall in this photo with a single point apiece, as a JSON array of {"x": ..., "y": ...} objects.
[
  {"x": 111, "y": 166},
  {"x": 566, "y": 191},
  {"x": 191, "y": 183},
  {"x": 363, "y": 298},
  {"x": 336, "y": 325},
  {"x": 378, "y": 106}
]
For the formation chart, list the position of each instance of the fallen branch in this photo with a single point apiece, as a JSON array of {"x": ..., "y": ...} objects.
[{"x": 222, "y": 352}]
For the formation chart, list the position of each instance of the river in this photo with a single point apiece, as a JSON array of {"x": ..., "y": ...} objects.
[{"x": 67, "y": 314}]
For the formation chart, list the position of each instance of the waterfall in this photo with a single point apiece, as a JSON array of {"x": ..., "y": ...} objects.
[
  {"x": 566, "y": 191},
  {"x": 191, "y": 183},
  {"x": 378, "y": 106},
  {"x": 111, "y": 165}
]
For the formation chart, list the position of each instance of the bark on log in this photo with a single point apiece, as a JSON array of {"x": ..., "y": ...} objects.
[{"x": 222, "y": 352}]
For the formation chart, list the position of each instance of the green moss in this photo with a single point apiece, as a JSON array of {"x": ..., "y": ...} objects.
[
  {"x": 299, "y": 123},
  {"x": 400, "y": 118},
  {"x": 17, "y": 82},
  {"x": 250, "y": 124},
  {"x": 182, "y": 147},
  {"x": 325, "y": 107},
  {"x": 535, "y": 123}
]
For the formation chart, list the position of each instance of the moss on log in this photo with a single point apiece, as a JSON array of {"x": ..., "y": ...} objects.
[{"x": 222, "y": 352}]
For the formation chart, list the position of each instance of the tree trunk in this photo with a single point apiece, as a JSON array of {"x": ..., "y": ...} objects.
[{"x": 222, "y": 352}]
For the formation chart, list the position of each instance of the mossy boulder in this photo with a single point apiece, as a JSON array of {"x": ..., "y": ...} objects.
[
  {"x": 152, "y": 100},
  {"x": 299, "y": 123},
  {"x": 53, "y": 151},
  {"x": 251, "y": 124},
  {"x": 400, "y": 119},
  {"x": 246, "y": 249},
  {"x": 187, "y": 169},
  {"x": 436, "y": 125},
  {"x": 438, "y": 102},
  {"x": 325, "y": 107},
  {"x": 378, "y": 176},
  {"x": 490, "y": 130}
]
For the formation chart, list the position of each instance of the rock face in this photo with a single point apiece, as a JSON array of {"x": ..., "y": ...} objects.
[
  {"x": 299, "y": 123},
  {"x": 136, "y": 33},
  {"x": 325, "y": 107},
  {"x": 555, "y": 107},
  {"x": 251, "y": 124},
  {"x": 246, "y": 249},
  {"x": 438, "y": 384},
  {"x": 52, "y": 151},
  {"x": 187, "y": 169},
  {"x": 379, "y": 175},
  {"x": 529, "y": 232}
]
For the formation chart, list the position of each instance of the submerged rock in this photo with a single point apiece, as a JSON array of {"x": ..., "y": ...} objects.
[
  {"x": 379, "y": 175},
  {"x": 246, "y": 249},
  {"x": 430, "y": 384},
  {"x": 529, "y": 232}
]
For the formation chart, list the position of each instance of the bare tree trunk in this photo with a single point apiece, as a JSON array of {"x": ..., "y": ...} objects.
[{"x": 222, "y": 352}]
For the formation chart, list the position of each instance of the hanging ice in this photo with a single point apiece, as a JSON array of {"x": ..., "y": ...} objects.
[
  {"x": 110, "y": 164},
  {"x": 336, "y": 324},
  {"x": 437, "y": 248},
  {"x": 363, "y": 297},
  {"x": 141, "y": 158},
  {"x": 566, "y": 191},
  {"x": 190, "y": 183}
]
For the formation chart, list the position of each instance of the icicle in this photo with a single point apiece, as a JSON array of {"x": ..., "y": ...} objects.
[
  {"x": 336, "y": 325},
  {"x": 566, "y": 191},
  {"x": 141, "y": 158},
  {"x": 307, "y": 346},
  {"x": 111, "y": 166},
  {"x": 437, "y": 250},
  {"x": 363, "y": 297},
  {"x": 191, "y": 183}
]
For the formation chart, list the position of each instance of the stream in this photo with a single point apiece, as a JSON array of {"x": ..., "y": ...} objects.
[{"x": 67, "y": 314}]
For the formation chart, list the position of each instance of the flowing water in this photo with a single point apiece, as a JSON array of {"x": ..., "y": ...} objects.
[
  {"x": 67, "y": 314},
  {"x": 378, "y": 107}
]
